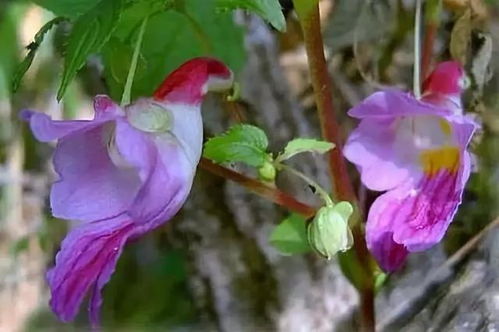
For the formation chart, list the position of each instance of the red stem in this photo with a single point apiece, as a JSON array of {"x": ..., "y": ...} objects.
[
  {"x": 428, "y": 44},
  {"x": 342, "y": 185},
  {"x": 321, "y": 83},
  {"x": 267, "y": 191}
]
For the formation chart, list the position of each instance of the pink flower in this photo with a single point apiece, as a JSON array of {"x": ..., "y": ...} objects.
[
  {"x": 415, "y": 150},
  {"x": 122, "y": 174}
]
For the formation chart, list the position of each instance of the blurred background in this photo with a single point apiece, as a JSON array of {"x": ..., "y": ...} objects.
[{"x": 211, "y": 267}]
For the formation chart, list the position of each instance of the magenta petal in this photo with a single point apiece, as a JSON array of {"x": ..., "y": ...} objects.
[
  {"x": 372, "y": 148},
  {"x": 87, "y": 259},
  {"x": 86, "y": 171},
  {"x": 389, "y": 254},
  {"x": 394, "y": 103},
  {"x": 165, "y": 172},
  {"x": 45, "y": 129}
]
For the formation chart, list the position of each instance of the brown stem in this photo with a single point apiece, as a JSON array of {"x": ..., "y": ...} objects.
[
  {"x": 432, "y": 21},
  {"x": 267, "y": 191},
  {"x": 429, "y": 41},
  {"x": 309, "y": 16},
  {"x": 321, "y": 82}
]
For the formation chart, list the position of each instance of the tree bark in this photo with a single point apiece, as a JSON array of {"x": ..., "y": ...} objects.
[{"x": 240, "y": 283}]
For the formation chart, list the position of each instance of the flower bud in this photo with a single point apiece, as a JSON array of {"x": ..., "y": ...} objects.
[
  {"x": 328, "y": 233},
  {"x": 267, "y": 172}
]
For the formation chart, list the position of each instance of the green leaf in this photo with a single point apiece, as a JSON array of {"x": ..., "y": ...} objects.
[
  {"x": 90, "y": 32},
  {"x": 269, "y": 10},
  {"x": 290, "y": 236},
  {"x": 67, "y": 8},
  {"x": 32, "y": 48},
  {"x": 171, "y": 38},
  {"x": 9, "y": 21},
  {"x": 300, "y": 145},
  {"x": 241, "y": 143}
]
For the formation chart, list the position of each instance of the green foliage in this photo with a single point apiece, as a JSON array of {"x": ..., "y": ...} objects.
[
  {"x": 290, "y": 236},
  {"x": 90, "y": 32},
  {"x": 173, "y": 35},
  {"x": 32, "y": 48},
  {"x": 269, "y": 10},
  {"x": 67, "y": 8},
  {"x": 300, "y": 145},
  {"x": 241, "y": 143},
  {"x": 8, "y": 35}
]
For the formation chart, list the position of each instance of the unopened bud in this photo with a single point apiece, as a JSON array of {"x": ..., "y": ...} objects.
[
  {"x": 328, "y": 233},
  {"x": 267, "y": 172}
]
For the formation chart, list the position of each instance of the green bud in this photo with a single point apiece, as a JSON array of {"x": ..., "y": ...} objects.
[
  {"x": 328, "y": 233},
  {"x": 267, "y": 172}
]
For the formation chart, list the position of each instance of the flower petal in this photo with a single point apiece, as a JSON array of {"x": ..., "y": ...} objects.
[
  {"x": 389, "y": 254},
  {"x": 87, "y": 258},
  {"x": 86, "y": 171},
  {"x": 45, "y": 129},
  {"x": 372, "y": 147},
  {"x": 164, "y": 169},
  {"x": 394, "y": 103}
]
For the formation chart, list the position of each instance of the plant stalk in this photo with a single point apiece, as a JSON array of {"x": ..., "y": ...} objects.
[
  {"x": 262, "y": 189},
  {"x": 308, "y": 14},
  {"x": 127, "y": 91},
  {"x": 432, "y": 21},
  {"x": 417, "y": 51}
]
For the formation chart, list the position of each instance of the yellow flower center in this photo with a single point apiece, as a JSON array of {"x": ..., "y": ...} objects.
[{"x": 444, "y": 158}]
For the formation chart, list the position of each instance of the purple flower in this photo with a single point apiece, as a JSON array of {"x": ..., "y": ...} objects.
[
  {"x": 122, "y": 174},
  {"x": 415, "y": 150}
]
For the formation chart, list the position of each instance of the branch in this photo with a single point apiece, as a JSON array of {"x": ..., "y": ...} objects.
[
  {"x": 308, "y": 14},
  {"x": 262, "y": 189},
  {"x": 432, "y": 21},
  {"x": 310, "y": 22}
]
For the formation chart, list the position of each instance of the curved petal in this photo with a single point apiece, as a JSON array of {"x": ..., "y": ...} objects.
[
  {"x": 373, "y": 148},
  {"x": 417, "y": 215},
  {"x": 45, "y": 129},
  {"x": 389, "y": 254},
  {"x": 90, "y": 185},
  {"x": 87, "y": 259},
  {"x": 394, "y": 103},
  {"x": 164, "y": 169}
]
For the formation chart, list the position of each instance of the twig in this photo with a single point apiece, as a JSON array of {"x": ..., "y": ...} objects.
[
  {"x": 269, "y": 192},
  {"x": 432, "y": 20},
  {"x": 417, "y": 51},
  {"x": 309, "y": 17}
]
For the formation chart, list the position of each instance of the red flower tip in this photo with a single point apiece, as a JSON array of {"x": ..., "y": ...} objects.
[
  {"x": 447, "y": 78},
  {"x": 193, "y": 79}
]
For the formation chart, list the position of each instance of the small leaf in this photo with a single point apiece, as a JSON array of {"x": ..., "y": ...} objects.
[
  {"x": 269, "y": 10},
  {"x": 90, "y": 32},
  {"x": 32, "y": 48},
  {"x": 300, "y": 145},
  {"x": 290, "y": 236},
  {"x": 68, "y": 8},
  {"x": 241, "y": 143}
]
